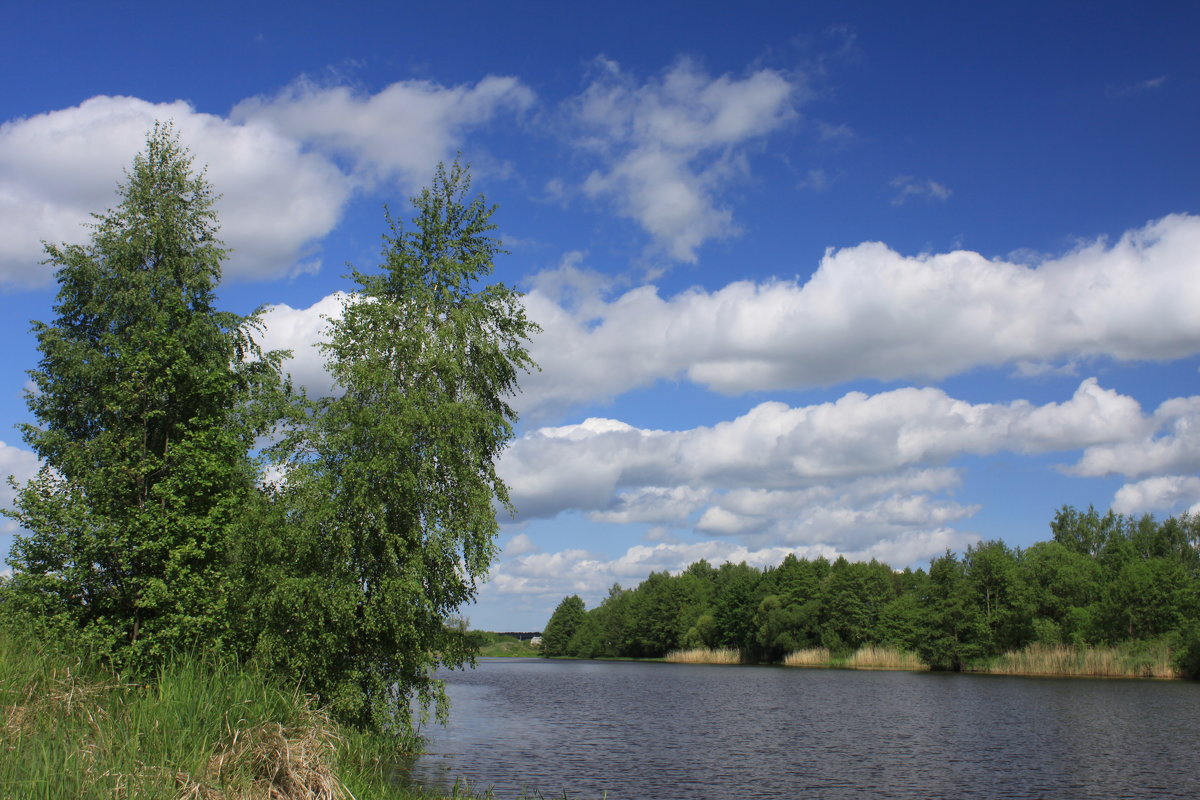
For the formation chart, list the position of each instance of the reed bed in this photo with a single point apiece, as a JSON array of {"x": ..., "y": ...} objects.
[
  {"x": 1098, "y": 662},
  {"x": 870, "y": 657},
  {"x": 810, "y": 657},
  {"x": 704, "y": 655},
  {"x": 884, "y": 658}
]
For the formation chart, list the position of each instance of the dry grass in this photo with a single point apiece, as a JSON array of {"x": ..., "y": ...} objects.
[
  {"x": 704, "y": 655},
  {"x": 863, "y": 658},
  {"x": 1098, "y": 662},
  {"x": 810, "y": 657},
  {"x": 281, "y": 763},
  {"x": 60, "y": 693},
  {"x": 884, "y": 658}
]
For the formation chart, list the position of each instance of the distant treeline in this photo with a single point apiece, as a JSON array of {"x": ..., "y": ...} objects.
[{"x": 1101, "y": 580}]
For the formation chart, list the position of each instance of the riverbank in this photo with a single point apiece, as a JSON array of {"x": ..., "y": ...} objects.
[
  {"x": 496, "y": 645},
  {"x": 203, "y": 729}
]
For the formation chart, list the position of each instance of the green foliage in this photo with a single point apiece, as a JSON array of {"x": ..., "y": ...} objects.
[
  {"x": 387, "y": 520},
  {"x": 1187, "y": 659},
  {"x": 560, "y": 630},
  {"x": 954, "y": 629},
  {"x": 1104, "y": 584},
  {"x": 148, "y": 400},
  {"x": 496, "y": 645}
]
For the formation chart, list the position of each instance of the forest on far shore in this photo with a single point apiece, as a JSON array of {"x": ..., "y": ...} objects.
[{"x": 1101, "y": 580}]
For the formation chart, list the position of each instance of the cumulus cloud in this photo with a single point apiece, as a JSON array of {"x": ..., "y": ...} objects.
[
  {"x": 519, "y": 545},
  {"x": 1170, "y": 443},
  {"x": 57, "y": 168},
  {"x": 669, "y": 145},
  {"x": 274, "y": 161},
  {"x": 622, "y": 473},
  {"x": 576, "y": 571},
  {"x": 870, "y": 312},
  {"x": 1160, "y": 493},
  {"x": 301, "y": 330},
  {"x": 396, "y": 134}
]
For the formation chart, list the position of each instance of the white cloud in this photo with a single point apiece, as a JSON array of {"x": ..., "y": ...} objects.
[
  {"x": 842, "y": 475},
  {"x": 22, "y": 465},
  {"x": 669, "y": 145},
  {"x": 1160, "y": 493},
  {"x": 1171, "y": 443},
  {"x": 869, "y": 312},
  {"x": 301, "y": 330},
  {"x": 519, "y": 545},
  {"x": 59, "y": 167},
  {"x": 554, "y": 575},
  {"x": 272, "y": 162},
  {"x": 397, "y": 134}
]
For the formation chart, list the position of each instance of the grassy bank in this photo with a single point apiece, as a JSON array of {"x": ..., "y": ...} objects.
[
  {"x": 202, "y": 729},
  {"x": 495, "y": 645}
]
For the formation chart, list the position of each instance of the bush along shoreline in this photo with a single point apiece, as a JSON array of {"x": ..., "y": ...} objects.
[{"x": 1107, "y": 595}]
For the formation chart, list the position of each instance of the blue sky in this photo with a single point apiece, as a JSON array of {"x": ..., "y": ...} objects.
[{"x": 868, "y": 279}]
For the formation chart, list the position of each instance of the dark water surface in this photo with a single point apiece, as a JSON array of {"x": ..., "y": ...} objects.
[{"x": 648, "y": 731}]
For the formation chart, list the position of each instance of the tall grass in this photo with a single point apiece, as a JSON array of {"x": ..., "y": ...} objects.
[
  {"x": 1102, "y": 662},
  {"x": 201, "y": 729},
  {"x": 809, "y": 657},
  {"x": 704, "y": 655},
  {"x": 870, "y": 657}
]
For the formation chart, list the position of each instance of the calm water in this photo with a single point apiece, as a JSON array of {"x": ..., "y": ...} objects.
[{"x": 646, "y": 731}]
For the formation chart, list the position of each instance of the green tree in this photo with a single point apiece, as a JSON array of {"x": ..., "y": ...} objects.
[
  {"x": 388, "y": 516},
  {"x": 954, "y": 630},
  {"x": 564, "y": 623},
  {"x": 1064, "y": 588},
  {"x": 655, "y": 617},
  {"x": 993, "y": 573},
  {"x": 735, "y": 601},
  {"x": 148, "y": 400},
  {"x": 1086, "y": 533}
]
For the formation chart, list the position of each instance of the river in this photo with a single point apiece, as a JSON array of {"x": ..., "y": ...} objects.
[{"x": 651, "y": 731}]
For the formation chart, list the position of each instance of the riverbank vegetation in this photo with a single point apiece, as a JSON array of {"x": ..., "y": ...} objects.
[
  {"x": 1106, "y": 595},
  {"x": 870, "y": 657},
  {"x": 200, "y": 726},
  {"x": 704, "y": 655},
  {"x": 499, "y": 645}
]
